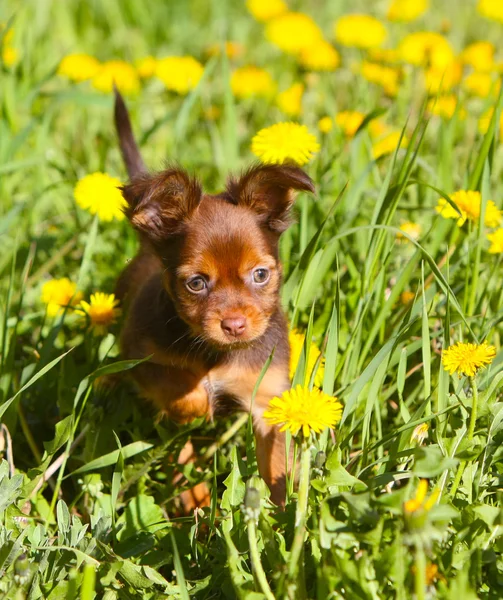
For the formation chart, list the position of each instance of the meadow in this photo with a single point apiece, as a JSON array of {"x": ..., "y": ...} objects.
[{"x": 392, "y": 287}]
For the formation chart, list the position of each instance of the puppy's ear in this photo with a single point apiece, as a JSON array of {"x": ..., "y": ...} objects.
[
  {"x": 158, "y": 205},
  {"x": 269, "y": 190}
]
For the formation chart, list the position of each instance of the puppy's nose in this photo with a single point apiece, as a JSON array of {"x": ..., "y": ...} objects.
[{"x": 235, "y": 326}]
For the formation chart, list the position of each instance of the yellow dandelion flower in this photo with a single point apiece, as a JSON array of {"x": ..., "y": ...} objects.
[
  {"x": 478, "y": 84},
  {"x": 479, "y": 55},
  {"x": 325, "y": 124},
  {"x": 384, "y": 55},
  {"x": 360, "y": 31},
  {"x": 388, "y": 144},
  {"x": 377, "y": 128},
  {"x": 146, "y": 67},
  {"x": 445, "y": 107},
  {"x": 419, "y": 502},
  {"x": 467, "y": 359},
  {"x": 420, "y": 432},
  {"x": 78, "y": 67},
  {"x": 426, "y": 48},
  {"x": 407, "y": 297},
  {"x": 101, "y": 311},
  {"x": 469, "y": 203},
  {"x": 412, "y": 229},
  {"x": 58, "y": 293},
  {"x": 349, "y": 121},
  {"x": 290, "y": 100},
  {"x": 117, "y": 72},
  {"x": 285, "y": 142},
  {"x": 252, "y": 81},
  {"x": 442, "y": 79},
  {"x": 303, "y": 409},
  {"x": 405, "y": 11},
  {"x": 496, "y": 239},
  {"x": 179, "y": 74},
  {"x": 231, "y": 49},
  {"x": 386, "y": 77},
  {"x": 296, "y": 340},
  {"x": 265, "y": 10},
  {"x": 320, "y": 56},
  {"x": 492, "y": 9},
  {"x": 485, "y": 120},
  {"x": 100, "y": 194},
  {"x": 292, "y": 32},
  {"x": 9, "y": 54}
]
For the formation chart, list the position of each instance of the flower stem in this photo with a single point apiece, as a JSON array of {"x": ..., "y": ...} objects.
[
  {"x": 300, "y": 516},
  {"x": 471, "y": 431},
  {"x": 420, "y": 572},
  {"x": 258, "y": 570}
]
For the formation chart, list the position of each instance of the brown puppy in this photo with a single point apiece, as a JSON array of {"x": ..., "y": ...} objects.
[{"x": 202, "y": 294}]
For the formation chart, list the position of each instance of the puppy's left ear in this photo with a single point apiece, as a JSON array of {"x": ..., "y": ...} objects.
[{"x": 269, "y": 190}]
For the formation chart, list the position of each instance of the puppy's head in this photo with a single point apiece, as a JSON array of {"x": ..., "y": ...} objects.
[{"x": 220, "y": 253}]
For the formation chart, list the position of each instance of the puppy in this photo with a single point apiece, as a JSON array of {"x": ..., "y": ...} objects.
[{"x": 202, "y": 294}]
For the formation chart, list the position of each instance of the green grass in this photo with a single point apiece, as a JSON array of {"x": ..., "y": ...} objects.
[{"x": 87, "y": 504}]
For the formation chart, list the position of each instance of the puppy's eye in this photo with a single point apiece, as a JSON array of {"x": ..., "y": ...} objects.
[
  {"x": 261, "y": 275},
  {"x": 197, "y": 284}
]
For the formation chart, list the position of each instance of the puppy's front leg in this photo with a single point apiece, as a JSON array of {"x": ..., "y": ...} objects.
[{"x": 178, "y": 393}]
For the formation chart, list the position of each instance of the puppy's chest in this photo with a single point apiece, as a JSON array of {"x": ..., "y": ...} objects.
[{"x": 237, "y": 383}]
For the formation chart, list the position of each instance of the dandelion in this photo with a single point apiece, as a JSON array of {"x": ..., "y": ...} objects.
[
  {"x": 387, "y": 77},
  {"x": 384, "y": 55},
  {"x": 467, "y": 359},
  {"x": 179, "y": 74},
  {"x": 118, "y": 73},
  {"x": 349, "y": 121},
  {"x": 59, "y": 293},
  {"x": 445, "y": 107},
  {"x": 325, "y": 124},
  {"x": 442, "y": 79},
  {"x": 412, "y": 229},
  {"x": 469, "y": 205},
  {"x": 419, "y": 502},
  {"x": 420, "y": 433},
  {"x": 296, "y": 341},
  {"x": 407, "y": 297},
  {"x": 230, "y": 49},
  {"x": 485, "y": 121},
  {"x": 320, "y": 56},
  {"x": 146, "y": 67},
  {"x": 478, "y": 84},
  {"x": 492, "y": 9},
  {"x": 252, "y": 81},
  {"x": 285, "y": 142},
  {"x": 290, "y": 100},
  {"x": 360, "y": 31},
  {"x": 303, "y": 409},
  {"x": 405, "y": 11},
  {"x": 426, "y": 48},
  {"x": 78, "y": 67},
  {"x": 101, "y": 311},
  {"x": 265, "y": 10},
  {"x": 292, "y": 32},
  {"x": 8, "y": 52},
  {"x": 479, "y": 55},
  {"x": 496, "y": 239},
  {"x": 389, "y": 144},
  {"x": 100, "y": 194}
]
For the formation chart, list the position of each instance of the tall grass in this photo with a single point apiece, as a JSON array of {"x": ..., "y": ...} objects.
[{"x": 87, "y": 504}]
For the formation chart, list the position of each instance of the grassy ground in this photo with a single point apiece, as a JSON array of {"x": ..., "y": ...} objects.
[{"x": 106, "y": 523}]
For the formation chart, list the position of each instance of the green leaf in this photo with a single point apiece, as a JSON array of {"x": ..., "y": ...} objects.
[
  {"x": 63, "y": 432},
  {"x": 111, "y": 458}
]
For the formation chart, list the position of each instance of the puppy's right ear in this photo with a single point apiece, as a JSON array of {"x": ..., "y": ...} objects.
[{"x": 159, "y": 205}]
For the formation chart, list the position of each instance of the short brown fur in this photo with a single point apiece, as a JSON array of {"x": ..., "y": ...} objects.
[{"x": 202, "y": 294}]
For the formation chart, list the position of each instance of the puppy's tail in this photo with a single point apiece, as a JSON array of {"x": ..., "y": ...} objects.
[{"x": 129, "y": 149}]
